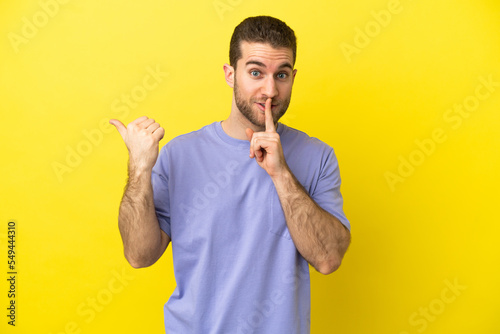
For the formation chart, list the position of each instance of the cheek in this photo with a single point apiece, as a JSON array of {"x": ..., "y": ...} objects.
[
  {"x": 249, "y": 88},
  {"x": 285, "y": 90}
]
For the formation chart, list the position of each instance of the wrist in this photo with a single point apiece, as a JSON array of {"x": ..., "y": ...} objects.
[
  {"x": 138, "y": 172},
  {"x": 284, "y": 176}
]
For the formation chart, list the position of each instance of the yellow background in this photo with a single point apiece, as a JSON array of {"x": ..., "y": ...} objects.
[{"x": 438, "y": 226}]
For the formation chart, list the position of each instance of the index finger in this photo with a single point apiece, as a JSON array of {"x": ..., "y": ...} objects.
[{"x": 269, "y": 117}]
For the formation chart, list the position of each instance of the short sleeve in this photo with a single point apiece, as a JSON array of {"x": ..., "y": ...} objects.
[
  {"x": 161, "y": 195},
  {"x": 327, "y": 191}
]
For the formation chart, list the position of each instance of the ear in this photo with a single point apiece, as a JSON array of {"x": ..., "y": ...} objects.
[
  {"x": 229, "y": 75},
  {"x": 293, "y": 75}
]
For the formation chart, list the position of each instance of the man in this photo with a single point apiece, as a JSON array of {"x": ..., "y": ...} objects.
[{"x": 248, "y": 203}]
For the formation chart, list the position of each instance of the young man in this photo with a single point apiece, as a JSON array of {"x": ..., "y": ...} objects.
[{"x": 248, "y": 203}]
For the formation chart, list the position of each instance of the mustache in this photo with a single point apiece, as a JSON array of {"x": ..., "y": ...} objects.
[{"x": 273, "y": 102}]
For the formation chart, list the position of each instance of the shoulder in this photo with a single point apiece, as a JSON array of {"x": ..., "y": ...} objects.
[
  {"x": 305, "y": 152},
  {"x": 298, "y": 139},
  {"x": 200, "y": 134},
  {"x": 190, "y": 139}
]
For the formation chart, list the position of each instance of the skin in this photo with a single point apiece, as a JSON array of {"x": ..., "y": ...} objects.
[
  {"x": 262, "y": 88},
  {"x": 143, "y": 240}
]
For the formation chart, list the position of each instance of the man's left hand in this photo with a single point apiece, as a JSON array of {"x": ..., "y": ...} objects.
[{"x": 265, "y": 146}]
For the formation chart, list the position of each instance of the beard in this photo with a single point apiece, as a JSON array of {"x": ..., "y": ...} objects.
[{"x": 246, "y": 107}]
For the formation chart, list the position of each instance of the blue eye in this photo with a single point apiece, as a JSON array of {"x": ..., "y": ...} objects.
[
  {"x": 282, "y": 76},
  {"x": 255, "y": 73}
]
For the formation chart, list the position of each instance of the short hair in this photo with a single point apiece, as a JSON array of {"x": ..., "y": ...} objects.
[{"x": 261, "y": 29}]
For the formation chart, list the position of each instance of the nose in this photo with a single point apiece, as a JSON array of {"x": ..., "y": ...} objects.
[{"x": 269, "y": 87}]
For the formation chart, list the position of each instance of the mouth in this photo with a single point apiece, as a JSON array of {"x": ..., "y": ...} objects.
[{"x": 262, "y": 106}]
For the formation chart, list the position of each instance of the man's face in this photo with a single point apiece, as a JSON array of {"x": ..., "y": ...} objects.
[{"x": 263, "y": 72}]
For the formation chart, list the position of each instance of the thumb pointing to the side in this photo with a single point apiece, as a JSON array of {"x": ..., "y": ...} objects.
[{"x": 122, "y": 129}]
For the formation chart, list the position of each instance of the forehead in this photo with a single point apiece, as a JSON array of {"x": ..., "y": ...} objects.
[{"x": 265, "y": 53}]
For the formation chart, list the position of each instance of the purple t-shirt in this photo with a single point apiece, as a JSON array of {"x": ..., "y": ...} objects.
[{"x": 236, "y": 267}]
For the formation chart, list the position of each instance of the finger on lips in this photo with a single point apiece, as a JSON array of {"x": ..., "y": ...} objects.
[
  {"x": 256, "y": 150},
  {"x": 269, "y": 116}
]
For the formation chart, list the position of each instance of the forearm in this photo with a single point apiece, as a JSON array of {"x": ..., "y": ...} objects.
[
  {"x": 138, "y": 224},
  {"x": 318, "y": 236}
]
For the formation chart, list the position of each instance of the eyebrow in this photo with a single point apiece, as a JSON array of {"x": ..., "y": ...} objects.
[{"x": 258, "y": 63}]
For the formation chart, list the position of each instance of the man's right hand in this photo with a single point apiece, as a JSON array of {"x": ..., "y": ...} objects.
[
  {"x": 143, "y": 240},
  {"x": 142, "y": 137}
]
